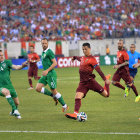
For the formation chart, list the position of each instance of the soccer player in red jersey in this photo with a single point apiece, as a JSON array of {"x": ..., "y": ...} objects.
[
  {"x": 87, "y": 80},
  {"x": 123, "y": 71},
  {"x": 33, "y": 58}
]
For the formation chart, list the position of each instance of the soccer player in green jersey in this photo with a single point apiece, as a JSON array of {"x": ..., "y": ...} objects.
[
  {"x": 6, "y": 88},
  {"x": 49, "y": 75}
]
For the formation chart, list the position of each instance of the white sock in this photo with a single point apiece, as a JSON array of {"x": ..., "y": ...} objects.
[
  {"x": 58, "y": 95},
  {"x": 8, "y": 96},
  {"x": 65, "y": 106},
  {"x": 42, "y": 90}
]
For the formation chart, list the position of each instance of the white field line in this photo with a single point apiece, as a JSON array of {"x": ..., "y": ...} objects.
[{"x": 69, "y": 132}]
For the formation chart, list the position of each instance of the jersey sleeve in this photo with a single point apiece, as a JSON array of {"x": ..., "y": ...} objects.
[
  {"x": 94, "y": 62},
  {"x": 126, "y": 56},
  {"x": 51, "y": 55}
]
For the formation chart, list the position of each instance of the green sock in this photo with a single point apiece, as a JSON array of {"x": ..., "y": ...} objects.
[
  {"x": 11, "y": 102},
  {"x": 47, "y": 92},
  {"x": 60, "y": 99}
]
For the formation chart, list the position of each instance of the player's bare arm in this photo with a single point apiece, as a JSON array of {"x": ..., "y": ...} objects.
[
  {"x": 97, "y": 68},
  {"x": 120, "y": 65},
  {"x": 45, "y": 72},
  {"x": 18, "y": 67},
  {"x": 136, "y": 65}
]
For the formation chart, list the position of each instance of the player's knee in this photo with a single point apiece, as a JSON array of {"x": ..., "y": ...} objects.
[
  {"x": 113, "y": 82},
  {"x": 38, "y": 89},
  {"x": 5, "y": 91},
  {"x": 17, "y": 103},
  {"x": 130, "y": 84}
]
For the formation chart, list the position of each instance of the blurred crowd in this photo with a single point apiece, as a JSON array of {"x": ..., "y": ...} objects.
[{"x": 26, "y": 20}]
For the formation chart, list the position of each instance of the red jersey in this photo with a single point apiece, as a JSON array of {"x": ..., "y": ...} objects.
[
  {"x": 87, "y": 66},
  {"x": 122, "y": 56},
  {"x": 33, "y": 57}
]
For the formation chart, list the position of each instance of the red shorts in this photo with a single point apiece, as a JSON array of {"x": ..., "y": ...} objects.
[
  {"x": 124, "y": 74},
  {"x": 32, "y": 72},
  {"x": 92, "y": 84}
]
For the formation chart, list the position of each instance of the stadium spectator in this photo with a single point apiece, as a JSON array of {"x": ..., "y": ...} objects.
[{"x": 68, "y": 20}]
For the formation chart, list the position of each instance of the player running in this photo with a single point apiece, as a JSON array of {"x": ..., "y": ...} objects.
[
  {"x": 133, "y": 59},
  {"x": 123, "y": 71},
  {"x": 49, "y": 75},
  {"x": 33, "y": 58},
  {"x": 6, "y": 88},
  {"x": 87, "y": 80}
]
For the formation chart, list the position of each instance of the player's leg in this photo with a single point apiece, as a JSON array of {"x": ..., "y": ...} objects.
[
  {"x": 116, "y": 80},
  {"x": 30, "y": 75},
  {"x": 78, "y": 97},
  {"x": 133, "y": 73},
  {"x": 35, "y": 73},
  {"x": 59, "y": 97},
  {"x": 127, "y": 79},
  {"x": 16, "y": 101},
  {"x": 41, "y": 89},
  {"x": 106, "y": 86},
  {"x": 80, "y": 93},
  {"x": 5, "y": 92}
]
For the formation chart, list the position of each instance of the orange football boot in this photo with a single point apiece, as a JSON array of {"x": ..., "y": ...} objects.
[{"x": 71, "y": 116}]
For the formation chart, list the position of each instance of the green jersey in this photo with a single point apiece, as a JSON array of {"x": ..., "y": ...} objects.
[
  {"x": 46, "y": 57},
  {"x": 5, "y": 67},
  {"x": 51, "y": 77}
]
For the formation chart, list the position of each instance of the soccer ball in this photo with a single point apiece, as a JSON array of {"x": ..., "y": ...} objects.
[{"x": 82, "y": 116}]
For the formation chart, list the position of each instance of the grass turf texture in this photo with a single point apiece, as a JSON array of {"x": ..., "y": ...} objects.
[{"x": 113, "y": 114}]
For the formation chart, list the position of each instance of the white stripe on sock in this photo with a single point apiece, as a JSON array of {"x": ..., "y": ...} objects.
[
  {"x": 42, "y": 90},
  {"x": 58, "y": 95},
  {"x": 8, "y": 96}
]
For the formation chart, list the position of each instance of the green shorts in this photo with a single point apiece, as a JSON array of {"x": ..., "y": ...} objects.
[
  {"x": 12, "y": 92},
  {"x": 50, "y": 79}
]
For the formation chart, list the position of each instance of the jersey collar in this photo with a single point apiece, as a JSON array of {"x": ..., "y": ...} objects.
[
  {"x": 46, "y": 50},
  {"x": 2, "y": 62}
]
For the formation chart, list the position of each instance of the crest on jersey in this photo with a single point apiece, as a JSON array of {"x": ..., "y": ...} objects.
[
  {"x": 4, "y": 65},
  {"x": 44, "y": 55}
]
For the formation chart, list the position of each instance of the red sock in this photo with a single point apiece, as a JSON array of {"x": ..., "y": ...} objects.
[
  {"x": 77, "y": 105},
  {"x": 30, "y": 82},
  {"x": 106, "y": 87},
  {"x": 135, "y": 90},
  {"x": 119, "y": 86}
]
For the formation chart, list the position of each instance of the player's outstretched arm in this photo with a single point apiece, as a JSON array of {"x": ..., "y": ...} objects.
[
  {"x": 136, "y": 65},
  {"x": 76, "y": 58},
  {"x": 18, "y": 67}
]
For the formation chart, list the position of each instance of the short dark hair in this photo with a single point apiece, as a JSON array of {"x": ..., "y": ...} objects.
[
  {"x": 31, "y": 46},
  {"x": 44, "y": 39},
  {"x": 0, "y": 50},
  {"x": 134, "y": 45},
  {"x": 121, "y": 40},
  {"x": 86, "y": 44}
]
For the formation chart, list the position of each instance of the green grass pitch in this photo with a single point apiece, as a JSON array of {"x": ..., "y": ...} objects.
[{"x": 115, "y": 114}]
